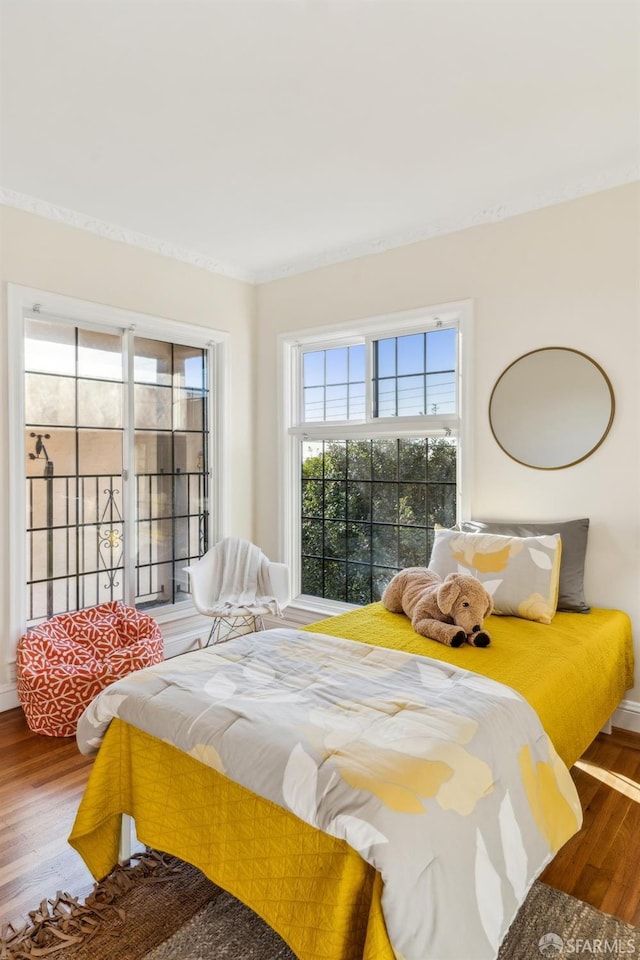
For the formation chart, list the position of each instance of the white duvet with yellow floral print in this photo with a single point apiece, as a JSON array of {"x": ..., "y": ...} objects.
[{"x": 443, "y": 780}]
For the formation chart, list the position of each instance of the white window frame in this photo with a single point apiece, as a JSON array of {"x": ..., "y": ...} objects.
[
  {"x": 293, "y": 427},
  {"x": 27, "y": 302}
]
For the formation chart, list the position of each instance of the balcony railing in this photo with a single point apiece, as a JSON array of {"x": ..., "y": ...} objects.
[{"x": 76, "y": 536}]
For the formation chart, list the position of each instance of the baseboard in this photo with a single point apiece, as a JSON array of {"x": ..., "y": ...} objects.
[
  {"x": 8, "y": 697},
  {"x": 627, "y": 716},
  {"x": 183, "y": 644}
]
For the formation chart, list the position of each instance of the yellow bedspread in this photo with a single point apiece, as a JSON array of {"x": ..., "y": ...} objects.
[
  {"x": 311, "y": 888},
  {"x": 573, "y": 671}
]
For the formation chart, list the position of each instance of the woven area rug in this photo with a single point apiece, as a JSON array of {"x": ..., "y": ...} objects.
[{"x": 163, "y": 909}]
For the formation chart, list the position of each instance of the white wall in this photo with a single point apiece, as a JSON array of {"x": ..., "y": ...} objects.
[
  {"x": 567, "y": 275},
  {"x": 50, "y": 256}
]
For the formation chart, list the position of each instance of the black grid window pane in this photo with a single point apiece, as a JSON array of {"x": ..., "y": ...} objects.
[
  {"x": 368, "y": 510},
  {"x": 74, "y": 398},
  {"x": 171, "y": 444}
]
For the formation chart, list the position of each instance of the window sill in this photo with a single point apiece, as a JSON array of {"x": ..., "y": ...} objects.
[{"x": 305, "y": 609}]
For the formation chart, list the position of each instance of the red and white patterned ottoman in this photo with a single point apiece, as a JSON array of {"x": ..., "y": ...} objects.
[{"x": 64, "y": 662}]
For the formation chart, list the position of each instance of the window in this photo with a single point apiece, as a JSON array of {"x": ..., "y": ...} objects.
[
  {"x": 171, "y": 452},
  {"x": 117, "y": 447},
  {"x": 373, "y": 450},
  {"x": 334, "y": 384},
  {"x": 415, "y": 374}
]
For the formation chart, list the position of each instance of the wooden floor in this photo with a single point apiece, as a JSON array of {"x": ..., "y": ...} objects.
[{"x": 42, "y": 779}]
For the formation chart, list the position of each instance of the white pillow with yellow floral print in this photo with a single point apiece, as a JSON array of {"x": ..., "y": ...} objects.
[{"x": 520, "y": 573}]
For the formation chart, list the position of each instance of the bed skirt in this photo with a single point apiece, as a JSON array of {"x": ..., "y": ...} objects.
[{"x": 312, "y": 889}]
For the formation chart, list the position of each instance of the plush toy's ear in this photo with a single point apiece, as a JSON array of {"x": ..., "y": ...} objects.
[
  {"x": 448, "y": 593},
  {"x": 489, "y": 609}
]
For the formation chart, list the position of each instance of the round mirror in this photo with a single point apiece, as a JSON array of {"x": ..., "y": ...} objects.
[{"x": 551, "y": 408}]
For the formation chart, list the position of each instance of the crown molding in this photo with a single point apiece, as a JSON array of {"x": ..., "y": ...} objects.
[
  {"x": 112, "y": 231},
  {"x": 595, "y": 184},
  {"x": 607, "y": 180}
]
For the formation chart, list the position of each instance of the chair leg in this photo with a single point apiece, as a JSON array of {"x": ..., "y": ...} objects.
[
  {"x": 217, "y": 634},
  {"x": 228, "y": 628},
  {"x": 214, "y": 634}
]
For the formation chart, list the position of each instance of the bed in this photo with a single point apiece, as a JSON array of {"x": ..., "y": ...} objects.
[
  {"x": 573, "y": 671},
  {"x": 313, "y": 888}
]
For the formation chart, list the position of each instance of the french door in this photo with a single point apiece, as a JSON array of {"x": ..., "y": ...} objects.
[{"x": 117, "y": 472}]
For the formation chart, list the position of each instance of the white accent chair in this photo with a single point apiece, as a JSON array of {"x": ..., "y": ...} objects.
[{"x": 268, "y": 594}]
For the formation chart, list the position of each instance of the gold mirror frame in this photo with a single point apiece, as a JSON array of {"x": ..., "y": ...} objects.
[{"x": 572, "y": 408}]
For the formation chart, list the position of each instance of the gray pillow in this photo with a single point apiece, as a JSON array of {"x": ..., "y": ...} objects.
[{"x": 574, "y": 547}]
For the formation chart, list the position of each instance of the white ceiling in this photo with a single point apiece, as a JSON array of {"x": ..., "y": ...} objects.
[{"x": 263, "y": 138}]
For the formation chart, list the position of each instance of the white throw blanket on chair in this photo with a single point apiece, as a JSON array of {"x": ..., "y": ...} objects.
[{"x": 240, "y": 576}]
